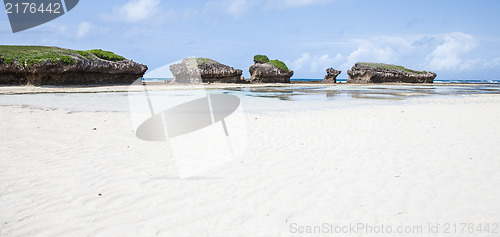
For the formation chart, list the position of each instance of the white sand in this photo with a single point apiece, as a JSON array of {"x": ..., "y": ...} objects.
[
  {"x": 7, "y": 90},
  {"x": 125, "y": 88},
  {"x": 435, "y": 160}
]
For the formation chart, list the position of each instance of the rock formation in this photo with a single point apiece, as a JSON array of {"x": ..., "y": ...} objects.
[
  {"x": 36, "y": 65},
  {"x": 198, "y": 70},
  {"x": 331, "y": 75},
  {"x": 186, "y": 72},
  {"x": 380, "y": 73},
  {"x": 269, "y": 71},
  {"x": 213, "y": 71}
]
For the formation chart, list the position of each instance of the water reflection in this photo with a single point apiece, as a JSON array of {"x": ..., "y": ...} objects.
[{"x": 381, "y": 92}]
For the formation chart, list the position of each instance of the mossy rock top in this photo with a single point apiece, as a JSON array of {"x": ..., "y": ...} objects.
[
  {"x": 279, "y": 64},
  {"x": 390, "y": 67},
  {"x": 32, "y": 55},
  {"x": 105, "y": 55},
  {"x": 260, "y": 58},
  {"x": 206, "y": 61},
  {"x": 276, "y": 63}
]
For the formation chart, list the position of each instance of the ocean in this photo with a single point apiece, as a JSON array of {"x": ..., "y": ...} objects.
[
  {"x": 460, "y": 81},
  {"x": 259, "y": 99},
  {"x": 456, "y": 81}
]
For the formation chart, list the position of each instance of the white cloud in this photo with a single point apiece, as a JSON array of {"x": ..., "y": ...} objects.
[
  {"x": 450, "y": 54},
  {"x": 421, "y": 52},
  {"x": 237, "y": 8},
  {"x": 374, "y": 51},
  {"x": 496, "y": 62},
  {"x": 83, "y": 29},
  {"x": 306, "y": 63},
  {"x": 137, "y": 10},
  {"x": 152, "y": 12},
  {"x": 293, "y": 3},
  {"x": 300, "y": 62}
]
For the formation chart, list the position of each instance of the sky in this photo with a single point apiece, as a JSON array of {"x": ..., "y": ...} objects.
[{"x": 456, "y": 39}]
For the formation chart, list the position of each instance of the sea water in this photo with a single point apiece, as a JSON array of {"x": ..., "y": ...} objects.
[
  {"x": 261, "y": 99},
  {"x": 459, "y": 81},
  {"x": 435, "y": 81}
]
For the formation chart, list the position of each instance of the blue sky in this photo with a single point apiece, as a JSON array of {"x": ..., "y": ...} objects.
[{"x": 456, "y": 39}]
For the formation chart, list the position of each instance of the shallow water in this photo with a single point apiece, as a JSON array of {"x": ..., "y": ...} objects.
[
  {"x": 399, "y": 92},
  {"x": 257, "y": 99}
]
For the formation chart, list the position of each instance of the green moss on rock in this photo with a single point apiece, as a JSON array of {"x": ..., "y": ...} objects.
[
  {"x": 205, "y": 60},
  {"x": 392, "y": 67},
  {"x": 32, "y": 55},
  {"x": 106, "y": 55},
  {"x": 260, "y": 58},
  {"x": 280, "y": 64},
  {"x": 85, "y": 54},
  {"x": 264, "y": 59}
]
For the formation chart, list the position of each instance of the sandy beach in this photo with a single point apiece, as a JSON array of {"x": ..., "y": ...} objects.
[
  {"x": 420, "y": 162},
  {"x": 238, "y": 118}
]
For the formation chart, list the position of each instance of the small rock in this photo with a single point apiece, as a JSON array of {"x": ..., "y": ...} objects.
[{"x": 331, "y": 75}]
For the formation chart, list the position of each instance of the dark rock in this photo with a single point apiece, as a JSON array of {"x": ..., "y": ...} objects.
[
  {"x": 213, "y": 71},
  {"x": 331, "y": 75},
  {"x": 267, "y": 73},
  {"x": 198, "y": 70},
  {"x": 380, "y": 73},
  {"x": 82, "y": 71}
]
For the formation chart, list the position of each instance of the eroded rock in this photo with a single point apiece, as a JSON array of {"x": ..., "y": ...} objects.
[
  {"x": 331, "y": 75},
  {"x": 381, "y": 73},
  {"x": 267, "y": 73},
  {"x": 79, "y": 70},
  {"x": 198, "y": 70}
]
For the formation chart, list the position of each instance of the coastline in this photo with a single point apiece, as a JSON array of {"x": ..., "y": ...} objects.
[
  {"x": 159, "y": 86},
  {"x": 391, "y": 153},
  {"x": 86, "y": 173},
  {"x": 219, "y": 118}
]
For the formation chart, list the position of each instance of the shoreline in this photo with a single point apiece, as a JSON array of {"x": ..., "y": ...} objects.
[
  {"x": 16, "y": 89},
  {"x": 403, "y": 163}
]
